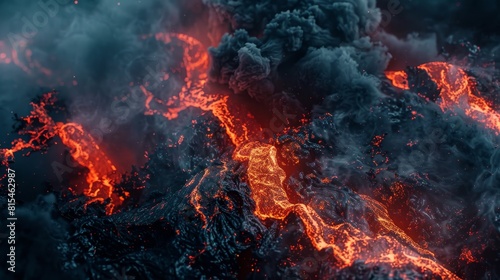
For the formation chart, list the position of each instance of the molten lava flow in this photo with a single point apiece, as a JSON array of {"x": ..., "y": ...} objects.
[
  {"x": 41, "y": 128},
  {"x": 45, "y": 130},
  {"x": 349, "y": 244},
  {"x": 192, "y": 94},
  {"x": 266, "y": 177},
  {"x": 398, "y": 79},
  {"x": 457, "y": 91},
  {"x": 101, "y": 172}
]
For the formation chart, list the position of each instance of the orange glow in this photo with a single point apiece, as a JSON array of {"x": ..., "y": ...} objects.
[
  {"x": 195, "y": 197},
  {"x": 192, "y": 94},
  {"x": 467, "y": 256},
  {"x": 390, "y": 245},
  {"x": 348, "y": 244},
  {"x": 266, "y": 177},
  {"x": 101, "y": 172},
  {"x": 457, "y": 91},
  {"x": 8, "y": 56},
  {"x": 39, "y": 136},
  {"x": 84, "y": 150},
  {"x": 399, "y": 79}
]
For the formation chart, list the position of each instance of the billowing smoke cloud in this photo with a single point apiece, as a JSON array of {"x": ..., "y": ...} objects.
[{"x": 262, "y": 66}]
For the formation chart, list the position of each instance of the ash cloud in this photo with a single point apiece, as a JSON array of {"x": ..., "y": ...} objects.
[{"x": 292, "y": 43}]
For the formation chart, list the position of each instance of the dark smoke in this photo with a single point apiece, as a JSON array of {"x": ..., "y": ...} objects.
[{"x": 317, "y": 59}]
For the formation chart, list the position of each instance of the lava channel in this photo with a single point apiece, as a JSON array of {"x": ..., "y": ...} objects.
[
  {"x": 84, "y": 150},
  {"x": 457, "y": 92},
  {"x": 266, "y": 177}
]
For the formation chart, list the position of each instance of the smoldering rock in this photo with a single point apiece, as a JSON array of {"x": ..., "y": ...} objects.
[
  {"x": 445, "y": 157},
  {"x": 187, "y": 224},
  {"x": 420, "y": 82}
]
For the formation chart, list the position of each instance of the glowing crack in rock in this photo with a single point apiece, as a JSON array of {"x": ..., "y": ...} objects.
[
  {"x": 457, "y": 91},
  {"x": 192, "y": 94},
  {"x": 41, "y": 128},
  {"x": 266, "y": 178},
  {"x": 349, "y": 244}
]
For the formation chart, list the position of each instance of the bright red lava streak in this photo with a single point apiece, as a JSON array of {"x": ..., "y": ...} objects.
[
  {"x": 266, "y": 178},
  {"x": 457, "y": 92},
  {"x": 41, "y": 128}
]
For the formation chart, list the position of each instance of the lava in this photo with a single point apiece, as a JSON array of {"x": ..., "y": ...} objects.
[
  {"x": 38, "y": 135},
  {"x": 348, "y": 244},
  {"x": 266, "y": 178},
  {"x": 398, "y": 79},
  {"x": 41, "y": 128},
  {"x": 101, "y": 172},
  {"x": 457, "y": 92},
  {"x": 192, "y": 94}
]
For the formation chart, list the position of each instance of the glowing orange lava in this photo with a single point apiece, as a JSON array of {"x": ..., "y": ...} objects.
[
  {"x": 348, "y": 244},
  {"x": 192, "y": 94},
  {"x": 101, "y": 174},
  {"x": 457, "y": 92},
  {"x": 41, "y": 128},
  {"x": 398, "y": 79},
  {"x": 266, "y": 178}
]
